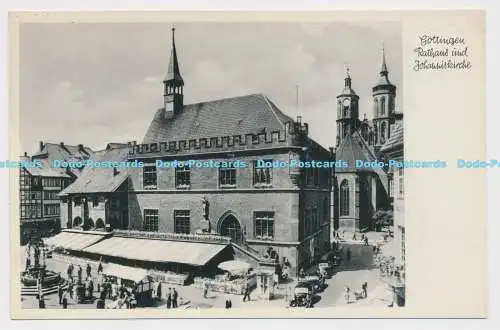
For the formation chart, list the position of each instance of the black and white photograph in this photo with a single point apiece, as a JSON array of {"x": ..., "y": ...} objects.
[{"x": 199, "y": 165}]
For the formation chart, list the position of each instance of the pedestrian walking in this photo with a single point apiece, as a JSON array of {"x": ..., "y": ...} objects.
[
  {"x": 229, "y": 303},
  {"x": 158, "y": 291},
  {"x": 247, "y": 292},
  {"x": 347, "y": 295},
  {"x": 366, "y": 240},
  {"x": 99, "y": 268},
  {"x": 89, "y": 270},
  {"x": 65, "y": 300},
  {"x": 175, "y": 296},
  {"x": 169, "y": 298},
  {"x": 80, "y": 274},
  {"x": 205, "y": 289},
  {"x": 41, "y": 301},
  {"x": 60, "y": 293},
  {"x": 365, "y": 288}
]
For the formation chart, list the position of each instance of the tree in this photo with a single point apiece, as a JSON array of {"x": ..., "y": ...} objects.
[{"x": 382, "y": 218}]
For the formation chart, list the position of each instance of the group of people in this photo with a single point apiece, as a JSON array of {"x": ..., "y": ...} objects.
[
  {"x": 341, "y": 235},
  {"x": 120, "y": 297},
  {"x": 363, "y": 294},
  {"x": 173, "y": 298}
]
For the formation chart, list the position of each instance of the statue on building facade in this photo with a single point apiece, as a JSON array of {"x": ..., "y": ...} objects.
[{"x": 205, "y": 222}]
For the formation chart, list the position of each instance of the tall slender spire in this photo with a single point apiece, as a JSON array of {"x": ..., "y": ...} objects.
[
  {"x": 383, "y": 69},
  {"x": 174, "y": 75}
]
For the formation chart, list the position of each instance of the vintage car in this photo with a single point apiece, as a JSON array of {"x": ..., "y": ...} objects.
[
  {"x": 317, "y": 282},
  {"x": 303, "y": 294}
]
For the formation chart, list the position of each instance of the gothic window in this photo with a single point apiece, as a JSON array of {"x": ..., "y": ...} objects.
[
  {"x": 383, "y": 128},
  {"x": 346, "y": 111},
  {"x": 375, "y": 135},
  {"x": 375, "y": 107},
  {"x": 344, "y": 198},
  {"x": 382, "y": 106},
  {"x": 391, "y": 104},
  {"x": 339, "y": 109}
]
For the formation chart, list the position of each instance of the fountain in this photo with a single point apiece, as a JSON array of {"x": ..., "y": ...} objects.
[{"x": 35, "y": 278}]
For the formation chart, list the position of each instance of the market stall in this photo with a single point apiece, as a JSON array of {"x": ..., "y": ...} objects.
[
  {"x": 134, "y": 280},
  {"x": 237, "y": 278}
]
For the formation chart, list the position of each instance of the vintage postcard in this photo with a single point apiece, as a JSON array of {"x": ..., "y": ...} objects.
[{"x": 247, "y": 164}]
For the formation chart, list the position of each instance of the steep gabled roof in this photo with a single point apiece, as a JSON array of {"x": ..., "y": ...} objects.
[
  {"x": 96, "y": 179},
  {"x": 351, "y": 149},
  {"x": 224, "y": 117}
]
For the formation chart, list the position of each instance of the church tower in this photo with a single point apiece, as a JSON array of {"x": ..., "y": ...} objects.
[
  {"x": 173, "y": 85},
  {"x": 384, "y": 94},
  {"x": 347, "y": 111}
]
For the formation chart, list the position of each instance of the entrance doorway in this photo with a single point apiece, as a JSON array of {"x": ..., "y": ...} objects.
[{"x": 230, "y": 227}]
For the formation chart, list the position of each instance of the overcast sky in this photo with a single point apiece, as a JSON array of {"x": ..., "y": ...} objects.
[{"x": 100, "y": 83}]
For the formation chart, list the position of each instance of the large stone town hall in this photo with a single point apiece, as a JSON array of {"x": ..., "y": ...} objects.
[{"x": 294, "y": 211}]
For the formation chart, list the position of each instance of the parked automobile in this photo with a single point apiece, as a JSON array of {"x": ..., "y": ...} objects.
[{"x": 303, "y": 294}]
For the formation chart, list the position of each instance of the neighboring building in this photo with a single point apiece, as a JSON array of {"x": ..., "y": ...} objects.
[
  {"x": 286, "y": 209},
  {"x": 39, "y": 187},
  {"x": 98, "y": 198},
  {"x": 360, "y": 191},
  {"x": 394, "y": 149}
]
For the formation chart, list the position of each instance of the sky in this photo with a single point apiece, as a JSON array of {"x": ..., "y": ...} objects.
[{"x": 92, "y": 84}]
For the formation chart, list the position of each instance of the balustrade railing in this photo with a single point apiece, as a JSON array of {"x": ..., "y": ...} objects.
[{"x": 205, "y": 238}]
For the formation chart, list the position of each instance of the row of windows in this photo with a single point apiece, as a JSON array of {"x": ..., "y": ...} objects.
[
  {"x": 227, "y": 176},
  {"x": 52, "y": 195},
  {"x": 264, "y": 223},
  {"x": 52, "y": 182},
  {"x": 314, "y": 216},
  {"x": 31, "y": 211},
  {"x": 51, "y": 209},
  {"x": 31, "y": 195}
]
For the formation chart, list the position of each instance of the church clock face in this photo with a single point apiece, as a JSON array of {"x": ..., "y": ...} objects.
[{"x": 347, "y": 102}]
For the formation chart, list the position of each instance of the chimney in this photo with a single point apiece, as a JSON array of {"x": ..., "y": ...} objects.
[
  {"x": 80, "y": 148},
  {"x": 61, "y": 144},
  {"x": 41, "y": 145},
  {"x": 25, "y": 154},
  {"x": 115, "y": 171}
]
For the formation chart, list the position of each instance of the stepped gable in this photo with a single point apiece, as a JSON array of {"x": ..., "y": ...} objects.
[{"x": 250, "y": 114}]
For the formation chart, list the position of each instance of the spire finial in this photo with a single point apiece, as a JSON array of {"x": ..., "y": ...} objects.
[{"x": 347, "y": 79}]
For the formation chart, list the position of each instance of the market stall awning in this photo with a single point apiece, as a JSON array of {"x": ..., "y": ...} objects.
[
  {"x": 235, "y": 266},
  {"x": 127, "y": 273},
  {"x": 190, "y": 253},
  {"x": 73, "y": 240}
]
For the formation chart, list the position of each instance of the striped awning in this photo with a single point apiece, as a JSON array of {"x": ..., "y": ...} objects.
[
  {"x": 73, "y": 240},
  {"x": 189, "y": 253}
]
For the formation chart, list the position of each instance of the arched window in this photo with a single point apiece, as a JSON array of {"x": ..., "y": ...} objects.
[
  {"x": 375, "y": 108},
  {"x": 339, "y": 109},
  {"x": 382, "y": 132},
  {"x": 382, "y": 106},
  {"x": 375, "y": 135},
  {"x": 344, "y": 198}
]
